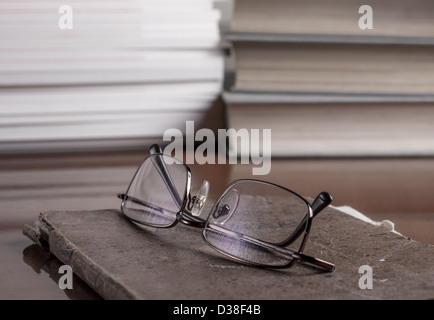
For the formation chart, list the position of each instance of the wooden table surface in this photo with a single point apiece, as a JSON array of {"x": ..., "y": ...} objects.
[{"x": 399, "y": 190}]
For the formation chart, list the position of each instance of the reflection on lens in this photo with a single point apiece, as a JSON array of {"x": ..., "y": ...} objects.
[
  {"x": 157, "y": 191},
  {"x": 241, "y": 247},
  {"x": 263, "y": 214}
]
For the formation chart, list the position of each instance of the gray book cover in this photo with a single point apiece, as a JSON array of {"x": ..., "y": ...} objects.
[{"x": 121, "y": 260}]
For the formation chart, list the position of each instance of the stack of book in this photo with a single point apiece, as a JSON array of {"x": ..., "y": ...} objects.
[
  {"x": 327, "y": 86},
  {"x": 104, "y": 74}
]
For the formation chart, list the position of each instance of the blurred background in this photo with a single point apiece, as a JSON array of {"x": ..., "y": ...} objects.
[
  {"x": 107, "y": 75},
  {"x": 346, "y": 88},
  {"x": 330, "y": 78}
]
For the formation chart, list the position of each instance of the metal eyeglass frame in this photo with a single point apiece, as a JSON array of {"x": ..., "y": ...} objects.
[{"x": 185, "y": 216}]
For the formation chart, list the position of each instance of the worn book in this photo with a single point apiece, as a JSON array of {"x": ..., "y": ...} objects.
[
  {"x": 323, "y": 85},
  {"x": 391, "y": 18},
  {"x": 121, "y": 260},
  {"x": 332, "y": 64},
  {"x": 334, "y": 125}
]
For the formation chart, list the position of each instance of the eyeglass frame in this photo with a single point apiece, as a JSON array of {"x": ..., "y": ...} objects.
[{"x": 185, "y": 216}]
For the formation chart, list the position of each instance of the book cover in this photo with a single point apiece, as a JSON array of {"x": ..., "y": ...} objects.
[{"x": 120, "y": 260}]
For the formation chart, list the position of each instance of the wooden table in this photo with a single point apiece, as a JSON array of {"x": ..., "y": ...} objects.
[{"x": 396, "y": 189}]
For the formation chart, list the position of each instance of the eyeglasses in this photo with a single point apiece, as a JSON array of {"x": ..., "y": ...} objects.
[{"x": 253, "y": 222}]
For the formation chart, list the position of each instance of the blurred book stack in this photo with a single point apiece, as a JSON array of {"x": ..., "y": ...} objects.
[
  {"x": 123, "y": 74},
  {"x": 327, "y": 87}
]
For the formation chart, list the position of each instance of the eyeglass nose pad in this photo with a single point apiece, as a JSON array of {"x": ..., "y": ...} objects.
[
  {"x": 227, "y": 207},
  {"x": 200, "y": 199}
]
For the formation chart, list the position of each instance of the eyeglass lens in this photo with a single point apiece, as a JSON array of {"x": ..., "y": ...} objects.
[
  {"x": 149, "y": 198},
  {"x": 252, "y": 214}
]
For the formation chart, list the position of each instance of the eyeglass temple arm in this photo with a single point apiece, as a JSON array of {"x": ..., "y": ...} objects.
[
  {"x": 321, "y": 201},
  {"x": 279, "y": 250},
  {"x": 146, "y": 204},
  {"x": 300, "y": 257},
  {"x": 316, "y": 263},
  {"x": 186, "y": 218},
  {"x": 164, "y": 173}
]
